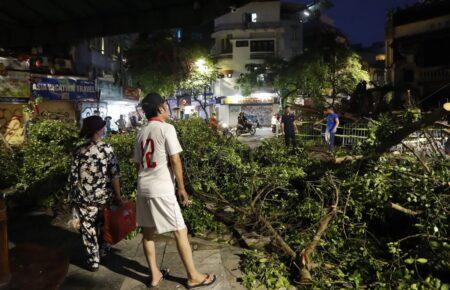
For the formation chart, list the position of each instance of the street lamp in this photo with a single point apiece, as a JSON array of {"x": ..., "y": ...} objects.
[{"x": 201, "y": 65}]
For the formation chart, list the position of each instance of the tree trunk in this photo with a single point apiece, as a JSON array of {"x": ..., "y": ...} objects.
[{"x": 397, "y": 136}]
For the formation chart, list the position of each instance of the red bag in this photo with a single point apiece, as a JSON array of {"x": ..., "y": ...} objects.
[{"x": 119, "y": 222}]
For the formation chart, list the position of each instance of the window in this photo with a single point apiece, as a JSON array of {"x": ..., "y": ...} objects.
[
  {"x": 408, "y": 76},
  {"x": 226, "y": 46},
  {"x": 97, "y": 44},
  {"x": 254, "y": 17},
  {"x": 250, "y": 18},
  {"x": 242, "y": 43},
  {"x": 262, "y": 46},
  {"x": 102, "y": 48}
]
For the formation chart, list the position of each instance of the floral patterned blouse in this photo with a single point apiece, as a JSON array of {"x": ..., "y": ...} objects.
[{"x": 93, "y": 168}]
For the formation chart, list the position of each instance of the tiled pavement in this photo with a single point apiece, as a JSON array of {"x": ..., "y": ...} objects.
[{"x": 126, "y": 268}]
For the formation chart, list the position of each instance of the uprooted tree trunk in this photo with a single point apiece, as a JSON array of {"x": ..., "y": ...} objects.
[{"x": 397, "y": 137}]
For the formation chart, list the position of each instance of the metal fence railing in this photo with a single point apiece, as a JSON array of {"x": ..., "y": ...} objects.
[{"x": 350, "y": 134}]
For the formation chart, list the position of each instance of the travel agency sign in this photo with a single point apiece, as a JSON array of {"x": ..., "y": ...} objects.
[{"x": 63, "y": 88}]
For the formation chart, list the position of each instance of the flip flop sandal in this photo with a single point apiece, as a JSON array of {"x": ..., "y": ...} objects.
[
  {"x": 164, "y": 273},
  {"x": 204, "y": 283}
]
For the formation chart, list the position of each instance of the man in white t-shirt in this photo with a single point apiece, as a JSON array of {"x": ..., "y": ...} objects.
[{"x": 157, "y": 157}]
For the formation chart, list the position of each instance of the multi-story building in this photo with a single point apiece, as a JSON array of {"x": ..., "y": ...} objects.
[
  {"x": 418, "y": 58},
  {"x": 245, "y": 37}
]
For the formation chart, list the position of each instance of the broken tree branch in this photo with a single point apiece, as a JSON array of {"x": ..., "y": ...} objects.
[
  {"x": 404, "y": 209},
  {"x": 305, "y": 276},
  {"x": 417, "y": 157}
]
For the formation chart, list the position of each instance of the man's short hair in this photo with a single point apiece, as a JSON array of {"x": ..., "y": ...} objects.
[
  {"x": 151, "y": 104},
  {"x": 330, "y": 108},
  {"x": 287, "y": 107}
]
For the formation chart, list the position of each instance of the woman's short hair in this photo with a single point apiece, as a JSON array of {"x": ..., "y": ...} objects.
[
  {"x": 151, "y": 104},
  {"x": 91, "y": 125}
]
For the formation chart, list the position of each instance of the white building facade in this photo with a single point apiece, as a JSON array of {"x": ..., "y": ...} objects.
[{"x": 245, "y": 37}]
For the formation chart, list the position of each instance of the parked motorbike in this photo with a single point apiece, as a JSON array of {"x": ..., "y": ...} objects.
[
  {"x": 250, "y": 128},
  {"x": 225, "y": 129}
]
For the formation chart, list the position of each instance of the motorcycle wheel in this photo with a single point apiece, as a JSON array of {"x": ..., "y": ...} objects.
[
  {"x": 252, "y": 131},
  {"x": 238, "y": 133}
]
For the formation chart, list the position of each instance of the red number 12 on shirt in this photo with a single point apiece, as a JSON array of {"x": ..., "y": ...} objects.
[{"x": 147, "y": 156}]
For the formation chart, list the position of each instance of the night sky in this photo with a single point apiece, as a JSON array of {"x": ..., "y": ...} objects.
[{"x": 362, "y": 20}]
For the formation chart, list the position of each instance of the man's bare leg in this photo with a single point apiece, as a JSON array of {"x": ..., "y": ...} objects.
[
  {"x": 184, "y": 249},
  {"x": 148, "y": 244}
]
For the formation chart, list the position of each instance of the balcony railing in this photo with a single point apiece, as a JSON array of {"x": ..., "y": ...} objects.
[
  {"x": 434, "y": 74},
  {"x": 250, "y": 25}
]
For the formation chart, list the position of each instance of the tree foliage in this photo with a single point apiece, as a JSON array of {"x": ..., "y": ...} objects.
[
  {"x": 160, "y": 63},
  {"x": 199, "y": 80}
]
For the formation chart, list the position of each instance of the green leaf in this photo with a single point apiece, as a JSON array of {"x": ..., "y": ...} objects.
[
  {"x": 409, "y": 261},
  {"x": 422, "y": 261}
]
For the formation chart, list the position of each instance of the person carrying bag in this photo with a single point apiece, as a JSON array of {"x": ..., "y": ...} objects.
[{"x": 95, "y": 183}]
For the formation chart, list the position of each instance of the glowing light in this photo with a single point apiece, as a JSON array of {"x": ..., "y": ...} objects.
[
  {"x": 263, "y": 95},
  {"x": 380, "y": 57},
  {"x": 447, "y": 106},
  {"x": 306, "y": 13},
  {"x": 201, "y": 65}
]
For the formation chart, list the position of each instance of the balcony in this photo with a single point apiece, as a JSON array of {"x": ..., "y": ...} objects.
[
  {"x": 250, "y": 25},
  {"x": 434, "y": 75}
]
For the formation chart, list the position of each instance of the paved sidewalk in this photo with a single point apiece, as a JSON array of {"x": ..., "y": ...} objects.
[
  {"x": 255, "y": 141},
  {"x": 126, "y": 268}
]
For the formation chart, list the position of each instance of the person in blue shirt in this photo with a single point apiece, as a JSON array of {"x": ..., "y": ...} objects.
[{"x": 332, "y": 120}]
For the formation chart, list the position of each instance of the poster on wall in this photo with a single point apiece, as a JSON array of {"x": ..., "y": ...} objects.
[
  {"x": 12, "y": 123},
  {"x": 63, "y": 88},
  {"x": 14, "y": 87}
]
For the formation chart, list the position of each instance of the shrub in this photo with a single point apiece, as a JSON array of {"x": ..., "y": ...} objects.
[
  {"x": 9, "y": 167},
  {"x": 46, "y": 158},
  {"x": 123, "y": 145}
]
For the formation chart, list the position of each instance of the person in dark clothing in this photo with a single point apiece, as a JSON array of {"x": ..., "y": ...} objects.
[
  {"x": 288, "y": 127},
  {"x": 243, "y": 121}
]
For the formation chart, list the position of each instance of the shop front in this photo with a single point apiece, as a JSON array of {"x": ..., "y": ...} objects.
[
  {"x": 63, "y": 98},
  {"x": 260, "y": 106}
]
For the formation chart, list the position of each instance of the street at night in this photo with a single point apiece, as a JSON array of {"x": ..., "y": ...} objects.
[{"x": 224, "y": 144}]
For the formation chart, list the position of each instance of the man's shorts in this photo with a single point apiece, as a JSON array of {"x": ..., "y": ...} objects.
[{"x": 162, "y": 213}]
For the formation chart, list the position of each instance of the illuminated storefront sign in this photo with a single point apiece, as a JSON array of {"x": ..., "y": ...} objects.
[
  {"x": 256, "y": 98},
  {"x": 63, "y": 88}
]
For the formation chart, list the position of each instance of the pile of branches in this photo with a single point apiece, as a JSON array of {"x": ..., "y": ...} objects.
[{"x": 377, "y": 221}]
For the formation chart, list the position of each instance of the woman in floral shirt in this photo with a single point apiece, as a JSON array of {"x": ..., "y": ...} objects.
[{"x": 95, "y": 183}]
